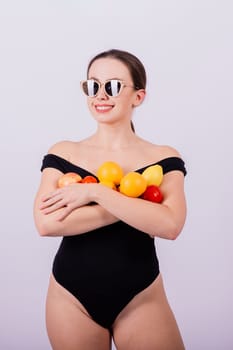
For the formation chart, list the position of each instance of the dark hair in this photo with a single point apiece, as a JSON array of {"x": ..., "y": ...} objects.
[{"x": 134, "y": 65}]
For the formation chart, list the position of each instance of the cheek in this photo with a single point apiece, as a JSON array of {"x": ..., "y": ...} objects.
[
  {"x": 90, "y": 105},
  {"x": 127, "y": 103}
]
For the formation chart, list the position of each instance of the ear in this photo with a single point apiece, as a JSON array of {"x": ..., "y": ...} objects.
[{"x": 139, "y": 97}]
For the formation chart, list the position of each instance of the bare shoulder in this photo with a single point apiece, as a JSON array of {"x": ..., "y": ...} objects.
[
  {"x": 63, "y": 149},
  {"x": 161, "y": 151},
  {"x": 168, "y": 151}
]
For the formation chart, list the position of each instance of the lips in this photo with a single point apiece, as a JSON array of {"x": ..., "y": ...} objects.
[{"x": 103, "y": 108}]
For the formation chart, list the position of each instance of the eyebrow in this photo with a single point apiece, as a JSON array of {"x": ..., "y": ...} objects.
[{"x": 114, "y": 78}]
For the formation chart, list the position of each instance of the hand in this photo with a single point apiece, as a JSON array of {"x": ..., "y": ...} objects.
[{"x": 68, "y": 198}]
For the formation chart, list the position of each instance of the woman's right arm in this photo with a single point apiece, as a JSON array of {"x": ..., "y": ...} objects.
[{"x": 81, "y": 220}]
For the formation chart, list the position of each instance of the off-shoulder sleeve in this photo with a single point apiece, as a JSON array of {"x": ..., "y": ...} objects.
[
  {"x": 173, "y": 163},
  {"x": 53, "y": 161}
]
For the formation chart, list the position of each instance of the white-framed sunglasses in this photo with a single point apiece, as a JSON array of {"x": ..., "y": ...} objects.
[{"x": 112, "y": 87}]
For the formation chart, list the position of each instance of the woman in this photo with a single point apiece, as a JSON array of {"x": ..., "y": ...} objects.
[{"x": 105, "y": 281}]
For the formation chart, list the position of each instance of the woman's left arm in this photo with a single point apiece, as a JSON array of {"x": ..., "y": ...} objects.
[{"x": 164, "y": 220}]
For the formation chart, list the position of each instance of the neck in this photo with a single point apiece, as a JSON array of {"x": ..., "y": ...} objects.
[{"x": 113, "y": 138}]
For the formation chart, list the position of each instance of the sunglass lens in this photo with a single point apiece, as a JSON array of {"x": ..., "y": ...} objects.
[
  {"x": 95, "y": 87},
  {"x": 90, "y": 87},
  {"x": 112, "y": 87}
]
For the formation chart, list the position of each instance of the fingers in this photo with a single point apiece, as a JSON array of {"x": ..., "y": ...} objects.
[
  {"x": 67, "y": 198},
  {"x": 53, "y": 207},
  {"x": 57, "y": 200},
  {"x": 50, "y": 197},
  {"x": 52, "y": 202},
  {"x": 65, "y": 212}
]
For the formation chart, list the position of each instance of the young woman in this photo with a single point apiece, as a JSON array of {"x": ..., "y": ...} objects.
[{"x": 105, "y": 281}]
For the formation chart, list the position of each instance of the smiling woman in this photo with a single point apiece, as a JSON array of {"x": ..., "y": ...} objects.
[
  {"x": 106, "y": 277},
  {"x": 110, "y": 94}
]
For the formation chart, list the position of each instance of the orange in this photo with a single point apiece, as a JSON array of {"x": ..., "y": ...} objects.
[
  {"x": 133, "y": 184},
  {"x": 68, "y": 178},
  {"x": 110, "y": 172}
]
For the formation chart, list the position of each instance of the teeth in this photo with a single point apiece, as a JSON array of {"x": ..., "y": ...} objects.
[{"x": 102, "y": 108}]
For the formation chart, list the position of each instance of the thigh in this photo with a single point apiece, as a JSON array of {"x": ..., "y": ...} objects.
[
  {"x": 147, "y": 322},
  {"x": 68, "y": 324}
]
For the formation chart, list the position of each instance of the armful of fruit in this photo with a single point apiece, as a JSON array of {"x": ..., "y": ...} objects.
[{"x": 132, "y": 184}]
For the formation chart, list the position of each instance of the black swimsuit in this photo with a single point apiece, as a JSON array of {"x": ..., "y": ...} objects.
[{"x": 105, "y": 268}]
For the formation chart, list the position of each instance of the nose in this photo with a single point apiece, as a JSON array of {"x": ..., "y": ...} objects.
[{"x": 101, "y": 93}]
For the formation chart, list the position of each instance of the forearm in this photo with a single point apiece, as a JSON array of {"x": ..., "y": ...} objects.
[
  {"x": 152, "y": 218},
  {"x": 80, "y": 220}
]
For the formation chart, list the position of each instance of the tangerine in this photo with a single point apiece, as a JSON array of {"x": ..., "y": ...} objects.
[
  {"x": 110, "y": 172},
  {"x": 89, "y": 179},
  {"x": 133, "y": 184}
]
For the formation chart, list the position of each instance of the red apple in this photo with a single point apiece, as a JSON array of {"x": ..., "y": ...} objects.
[
  {"x": 68, "y": 178},
  {"x": 153, "y": 194}
]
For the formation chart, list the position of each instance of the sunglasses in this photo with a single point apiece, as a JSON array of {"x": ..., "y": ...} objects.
[{"x": 112, "y": 87}]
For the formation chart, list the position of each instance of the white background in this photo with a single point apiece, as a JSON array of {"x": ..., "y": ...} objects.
[{"x": 186, "y": 47}]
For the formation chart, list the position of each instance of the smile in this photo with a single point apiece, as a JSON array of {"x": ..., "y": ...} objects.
[{"x": 103, "y": 108}]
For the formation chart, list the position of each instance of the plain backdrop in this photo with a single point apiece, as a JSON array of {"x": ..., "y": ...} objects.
[{"x": 186, "y": 47}]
